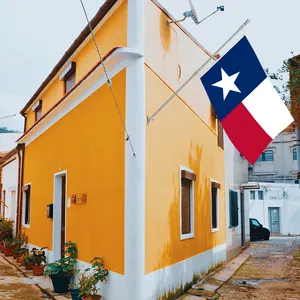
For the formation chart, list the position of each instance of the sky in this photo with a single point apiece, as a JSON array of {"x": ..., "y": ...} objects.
[{"x": 35, "y": 34}]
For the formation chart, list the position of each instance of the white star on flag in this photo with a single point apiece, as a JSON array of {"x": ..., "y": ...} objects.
[{"x": 227, "y": 83}]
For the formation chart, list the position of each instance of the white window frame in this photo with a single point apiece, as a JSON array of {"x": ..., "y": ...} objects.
[
  {"x": 251, "y": 194},
  {"x": 23, "y": 210},
  {"x": 218, "y": 210},
  {"x": 192, "y": 208}
]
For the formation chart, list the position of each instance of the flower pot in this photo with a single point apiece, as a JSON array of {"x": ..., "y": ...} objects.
[
  {"x": 75, "y": 294},
  {"x": 38, "y": 270},
  {"x": 7, "y": 251},
  {"x": 1, "y": 246},
  {"x": 19, "y": 258},
  {"x": 98, "y": 297},
  {"x": 60, "y": 282},
  {"x": 15, "y": 255},
  {"x": 28, "y": 266}
]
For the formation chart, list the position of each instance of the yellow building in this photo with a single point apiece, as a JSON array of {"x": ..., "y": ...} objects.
[{"x": 157, "y": 217}]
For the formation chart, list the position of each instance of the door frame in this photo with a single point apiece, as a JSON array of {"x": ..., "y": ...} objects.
[
  {"x": 57, "y": 213},
  {"x": 270, "y": 218}
]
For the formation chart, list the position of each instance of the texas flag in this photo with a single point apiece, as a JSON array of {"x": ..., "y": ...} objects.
[{"x": 247, "y": 105}]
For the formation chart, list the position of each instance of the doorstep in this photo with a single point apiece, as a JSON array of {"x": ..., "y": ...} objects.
[{"x": 42, "y": 282}]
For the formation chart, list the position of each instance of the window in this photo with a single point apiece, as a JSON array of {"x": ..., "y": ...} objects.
[
  {"x": 187, "y": 203},
  {"x": 68, "y": 76},
  {"x": 26, "y": 214},
  {"x": 233, "y": 209},
  {"x": 267, "y": 155},
  {"x": 214, "y": 206},
  {"x": 220, "y": 136},
  {"x": 252, "y": 195},
  {"x": 260, "y": 195},
  {"x": 255, "y": 223},
  {"x": 37, "y": 109},
  {"x": 295, "y": 154}
]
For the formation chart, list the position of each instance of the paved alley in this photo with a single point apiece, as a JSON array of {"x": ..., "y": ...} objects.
[
  {"x": 271, "y": 272},
  {"x": 14, "y": 285}
]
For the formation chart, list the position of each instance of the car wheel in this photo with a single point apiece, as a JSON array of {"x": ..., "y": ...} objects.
[{"x": 267, "y": 237}]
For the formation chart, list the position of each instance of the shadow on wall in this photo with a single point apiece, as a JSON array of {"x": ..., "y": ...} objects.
[{"x": 176, "y": 250}]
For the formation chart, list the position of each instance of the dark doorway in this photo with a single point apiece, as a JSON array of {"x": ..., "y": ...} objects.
[{"x": 63, "y": 214}]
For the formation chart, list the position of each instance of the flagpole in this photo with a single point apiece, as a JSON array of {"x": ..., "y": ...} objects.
[{"x": 151, "y": 118}]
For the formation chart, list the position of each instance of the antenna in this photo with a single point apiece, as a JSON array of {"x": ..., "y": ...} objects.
[{"x": 193, "y": 14}]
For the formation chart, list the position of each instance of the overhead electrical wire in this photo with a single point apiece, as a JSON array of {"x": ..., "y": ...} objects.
[
  {"x": 109, "y": 82},
  {"x": 6, "y": 117}
]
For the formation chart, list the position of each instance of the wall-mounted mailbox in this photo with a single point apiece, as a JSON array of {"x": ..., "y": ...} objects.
[{"x": 50, "y": 211}]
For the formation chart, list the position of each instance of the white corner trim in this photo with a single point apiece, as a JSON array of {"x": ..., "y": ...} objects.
[
  {"x": 218, "y": 208},
  {"x": 192, "y": 208},
  {"x": 115, "y": 63}
]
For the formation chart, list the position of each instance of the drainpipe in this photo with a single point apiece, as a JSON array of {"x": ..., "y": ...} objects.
[{"x": 21, "y": 151}]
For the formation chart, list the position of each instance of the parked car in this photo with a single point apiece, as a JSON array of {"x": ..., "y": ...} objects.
[{"x": 257, "y": 231}]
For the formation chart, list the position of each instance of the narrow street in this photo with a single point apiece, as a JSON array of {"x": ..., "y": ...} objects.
[
  {"x": 14, "y": 285},
  {"x": 271, "y": 272}
]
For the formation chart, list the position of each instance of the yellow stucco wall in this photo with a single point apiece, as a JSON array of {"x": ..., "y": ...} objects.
[
  {"x": 183, "y": 134},
  {"x": 89, "y": 143},
  {"x": 107, "y": 38},
  {"x": 178, "y": 137}
]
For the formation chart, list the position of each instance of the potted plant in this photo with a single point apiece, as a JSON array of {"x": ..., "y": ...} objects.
[
  {"x": 89, "y": 279},
  {"x": 74, "y": 291},
  {"x": 8, "y": 247},
  {"x": 38, "y": 260},
  {"x": 6, "y": 230},
  {"x": 20, "y": 245},
  {"x": 61, "y": 271},
  {"x": 27, "y": 259}
]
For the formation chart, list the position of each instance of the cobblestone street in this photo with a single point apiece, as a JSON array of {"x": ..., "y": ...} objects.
[{"x": 271, "y": 272}]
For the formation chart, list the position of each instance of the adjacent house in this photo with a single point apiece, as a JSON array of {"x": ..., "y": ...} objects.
[
  {"x": 277, "y": 207},
  {"x": 237, "y": 201},
  {"x": 278, "y": 163},
  {"x": 10, "y": 162},
  {"x": 152, "y": 202}
]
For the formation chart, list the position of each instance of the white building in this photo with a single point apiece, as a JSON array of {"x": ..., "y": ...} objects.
[
  {"x": 277, "y": 207},
  {"x": 9, "y": 174},
  {"x": 237, "y": 201}
]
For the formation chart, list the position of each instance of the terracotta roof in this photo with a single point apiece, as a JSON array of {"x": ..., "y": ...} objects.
[
  {"x": 82, "y": 36},
  {"x": 7, "y": 155}
]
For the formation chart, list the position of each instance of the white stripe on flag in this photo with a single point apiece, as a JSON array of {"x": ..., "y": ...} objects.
[{"x": 266, "y": 107}]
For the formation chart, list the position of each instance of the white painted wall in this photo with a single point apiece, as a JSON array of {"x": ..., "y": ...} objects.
[
  {"x": 10, "y": 186},
  {"x": 236, "y": 173},
  {"x": 284, "y": 196}
]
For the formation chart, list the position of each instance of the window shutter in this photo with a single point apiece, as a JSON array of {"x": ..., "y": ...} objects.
[
  {"x": 236, "y": 219},
  {"x": 231, "y": 213},
  {"x": 70, "y": 82},
  {"x": 185, "y": 206},
  {"x": 220, "y": 136},
  {"x": 233, "y": 209}
]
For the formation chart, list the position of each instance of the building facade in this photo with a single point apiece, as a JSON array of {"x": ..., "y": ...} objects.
[
  {"x": 277, "y": 207},
  {"x": 237, "y": 201},
  {"x": 155, "y": 211},
  {"x": 278, "y": 163}
]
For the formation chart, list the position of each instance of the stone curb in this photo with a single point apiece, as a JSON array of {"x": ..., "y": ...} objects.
[
  {"x": 214, "y": 294},
  {"x": 45, "y": 292}
]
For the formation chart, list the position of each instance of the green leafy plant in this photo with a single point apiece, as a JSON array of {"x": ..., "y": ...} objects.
[
  {"x": 89, "y": 279},
  {"x": 9, "y": 243},
  {"x": 6, "y": 229},
  {"x": 38, "y": 256},
  {"x": 20, "y": 244},
  {"x": 27, "y": 258},
  {"x": 65, "y": 265}
]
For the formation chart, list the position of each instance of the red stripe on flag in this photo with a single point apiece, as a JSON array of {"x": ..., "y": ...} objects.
[{"x": 245, "y": 133}]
